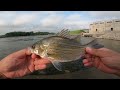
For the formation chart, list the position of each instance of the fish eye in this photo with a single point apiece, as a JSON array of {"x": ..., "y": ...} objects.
[{"x": 33, "y": 46}]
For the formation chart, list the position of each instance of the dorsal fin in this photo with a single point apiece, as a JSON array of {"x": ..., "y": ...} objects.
[{"x": 64, "y": 33}]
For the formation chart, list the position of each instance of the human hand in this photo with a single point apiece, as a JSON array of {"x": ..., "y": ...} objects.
[
  {"x": 21, "y": 63},
  {"x": 103, "y": 59}
]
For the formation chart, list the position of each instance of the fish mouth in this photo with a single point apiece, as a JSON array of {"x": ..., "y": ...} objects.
[{"x": 33, "y": 50}]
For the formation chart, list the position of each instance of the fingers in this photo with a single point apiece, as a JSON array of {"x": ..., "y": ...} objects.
[
  {"x": 41, "y": 61},
  {"x": 88, "y": 56},
  {"x": 21, "y": 53},
  {"x": 95, "y": 52},
  {"x": 28, "y": 52},
  {"x": 90, "y": 64},
  {"x": 40, "y": 67},
  {"x": 35, "y": 56},
  {"x": 87, "y": 63},
  {"x": 96, "y": 62}
]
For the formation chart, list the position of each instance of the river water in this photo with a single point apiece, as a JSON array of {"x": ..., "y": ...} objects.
[{"x": 12, "y": 44}]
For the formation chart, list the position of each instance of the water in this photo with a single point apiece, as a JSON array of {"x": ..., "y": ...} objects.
[{"x": 12, "y": 44}]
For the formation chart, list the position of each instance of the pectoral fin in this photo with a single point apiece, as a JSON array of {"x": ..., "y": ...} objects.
[{"x": 57, "y": 65}]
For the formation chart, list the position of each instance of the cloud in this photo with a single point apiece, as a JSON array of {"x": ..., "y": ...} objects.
[
  {"x": 6, "y": 17},
  {"x": 59, "y": 21},
  {"x": 51, "y": 20},
  {"x": 73, "y": 17},
  {"x": 7, "y": 13},
  {"x": 75, "y": 21},
  {"x": 2, "y": 22},
  {"x": 23, "y": 19},
  {"x": 105, "y": 14}
]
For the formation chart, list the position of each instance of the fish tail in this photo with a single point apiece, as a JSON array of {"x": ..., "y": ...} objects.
[{"x": 94, "y": 44}]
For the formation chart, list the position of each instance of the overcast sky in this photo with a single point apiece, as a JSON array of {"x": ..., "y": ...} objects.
[{"x": 52, "y": 21}]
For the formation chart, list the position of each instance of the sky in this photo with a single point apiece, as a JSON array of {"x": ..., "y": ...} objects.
[{"x": 51, "y": 21}]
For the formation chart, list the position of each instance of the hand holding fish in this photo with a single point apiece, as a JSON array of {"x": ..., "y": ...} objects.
[
  {"x": 21, "y": 63},
  {"x": 103, "y": 59},
  {"x": 61, "y": 48}
]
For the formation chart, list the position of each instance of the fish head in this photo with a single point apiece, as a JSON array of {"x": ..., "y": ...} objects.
[
  {"x": 40, "y": 48},
  {"x": 37, "y": 48}
]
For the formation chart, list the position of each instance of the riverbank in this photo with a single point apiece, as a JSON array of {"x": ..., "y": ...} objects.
[
  {"x": 18, "y": 34},
  {"x": 31, "y": 33}
]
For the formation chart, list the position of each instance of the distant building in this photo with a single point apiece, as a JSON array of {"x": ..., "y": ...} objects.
[{"x": 103, "y": 27}]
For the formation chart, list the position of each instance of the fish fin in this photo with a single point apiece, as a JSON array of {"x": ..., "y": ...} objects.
[
  {"x": 57, "y": 65},
  {"x": 64, "y": 33},
  {"x": 94, "y": 44},
  {"x": 76, "y": 38}
]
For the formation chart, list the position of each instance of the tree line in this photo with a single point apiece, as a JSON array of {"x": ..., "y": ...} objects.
[{"x": 13, "y": 34}]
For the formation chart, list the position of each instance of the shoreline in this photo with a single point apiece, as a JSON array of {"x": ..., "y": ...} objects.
[
  {"x": 21, "y": 33},
  {"x": 24, "y": 36}
]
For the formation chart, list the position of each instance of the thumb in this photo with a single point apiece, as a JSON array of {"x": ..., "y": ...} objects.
[
  {"x": 25, "y": 51},
  {"x": 95, "y": 52},
  {"x": 28, "y": 51}
]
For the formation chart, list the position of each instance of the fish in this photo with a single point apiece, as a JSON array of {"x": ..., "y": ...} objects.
[{"x": 61, "y": 47}]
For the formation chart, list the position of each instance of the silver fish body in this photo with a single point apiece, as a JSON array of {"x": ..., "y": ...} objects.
[{"x": 59, "y": 49}]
